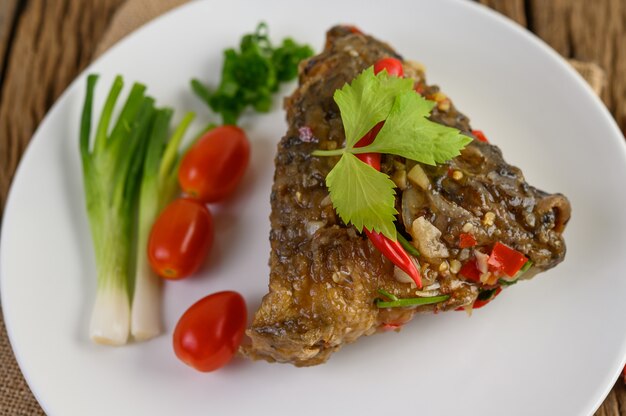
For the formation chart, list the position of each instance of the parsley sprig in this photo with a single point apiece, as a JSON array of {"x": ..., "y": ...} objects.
[
  {"x": 252, "y": 74},
  {"x": 361, "y": 195}
]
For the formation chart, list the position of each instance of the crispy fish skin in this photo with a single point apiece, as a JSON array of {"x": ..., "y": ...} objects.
[{"x": 324, "y": 276}]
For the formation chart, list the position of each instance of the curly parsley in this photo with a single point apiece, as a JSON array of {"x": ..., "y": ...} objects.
[{"x": 252, "y": 74}]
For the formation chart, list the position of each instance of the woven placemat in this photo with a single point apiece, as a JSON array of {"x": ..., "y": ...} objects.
[{"x": 15, "y": 396}]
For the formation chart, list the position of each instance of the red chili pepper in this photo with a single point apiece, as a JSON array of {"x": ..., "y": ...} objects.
[
  {"x": 353, "y": 29},
  {"x": 393, "y": 250},
  {"x": 480, "y": 136},
  {"x": 372, "y": 159},
  {"x": 470, "y": 271},
  {"x": 390, "y": 327},
  {"x": 393, "y": 67},
  {"x": 480, "y": 303},
  {"x": 505, "y": 259},
  {"x": 466, "y": 240}
]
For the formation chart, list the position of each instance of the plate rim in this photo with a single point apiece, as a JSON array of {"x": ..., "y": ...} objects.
[{"x": 502, "y": 20}]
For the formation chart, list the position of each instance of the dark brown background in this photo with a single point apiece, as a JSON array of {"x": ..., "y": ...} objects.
[{"x": 45, "y": 44}]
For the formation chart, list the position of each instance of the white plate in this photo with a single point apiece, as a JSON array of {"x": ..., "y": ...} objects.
[{"x": 550, "y": 346}]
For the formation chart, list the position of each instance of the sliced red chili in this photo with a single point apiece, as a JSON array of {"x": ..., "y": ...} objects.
[
  {"x": 479, "y": 303},
  {"x": 480, "y": 136},
  {"x": 354, "y": 29},
  {"x": 372, "y": 159},
  {"x": 393, "y": 66},
  {"x": 390, "y": 326},
  {"x": 503, "y": 258},
  {"x": 466, "y": 240},
  {"x": 470, "y": 271},
  {"x": 394, "y": 251}
]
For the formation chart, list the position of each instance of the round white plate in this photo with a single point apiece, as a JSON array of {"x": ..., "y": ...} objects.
[{"x": 550, "y": 346}]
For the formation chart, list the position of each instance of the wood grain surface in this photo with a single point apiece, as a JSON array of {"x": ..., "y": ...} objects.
[{"x": 45, "y": 44}]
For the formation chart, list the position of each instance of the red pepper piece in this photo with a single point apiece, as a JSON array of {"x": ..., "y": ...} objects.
[
  {"x": 480, "y": 303},
  {"x": 394, "y": 251},
  {"x": 353, "y": 29},
  {"x": 419, "y": 88},
  {"x": 393, "y": 67},
  {"x": 390, "y": 327},
  {"x": 466, "y": 240},
  {"x": 480, "y": 136},
  {"x": 503, "y": 258},
  {"x": 372, "y": 159},
  {"x": 470, "y": 271}
]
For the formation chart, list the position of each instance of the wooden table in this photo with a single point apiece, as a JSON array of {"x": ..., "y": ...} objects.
[{"x": 44, "y": 44}]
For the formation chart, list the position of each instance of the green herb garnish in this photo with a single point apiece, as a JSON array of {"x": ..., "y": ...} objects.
[
  {"x": 251, "y": 75},
  {"x": 388, "y": 295},
  {"x": 129, "y": 174},
  {"x": 525, "y": 268},
  {"x": 360, "y": 194},
  {"x": 410, "y": 248},
  {"x": 400, "y": 303},
  {"x": 519, "y": 274}
]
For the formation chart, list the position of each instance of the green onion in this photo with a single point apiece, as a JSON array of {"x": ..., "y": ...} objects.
[
  {"x": 519, "y": 274},
  {"x": 400, "y": 303},
  {"x": 410, "y": 248},
  {"x": 158, "y": 187},
  {"x": 504, "y": 282},
  {"x": 112, "y": 173},
  {"x": 387, "y": 294},
  {"x": 525, "y": 267}
]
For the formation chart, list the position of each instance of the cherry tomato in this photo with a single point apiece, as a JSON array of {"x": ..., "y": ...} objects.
[
  {"x": 392, "y": 65},
  {"x": 180, "y": 238},
  {"x": 210, "y": 331},
  {"x": 214, "y": 166}
]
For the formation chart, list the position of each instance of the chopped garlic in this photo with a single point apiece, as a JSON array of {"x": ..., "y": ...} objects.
[
  {"x": 427, "y": 237},
  {"x": 418, "y": 177},
  {"x": 399, "y": 178},
  {"x": 455, "y": 266},
  {"x": 489, "y": 218},
  {"x": 481, "y": 261},
  {"x": 401, "y": 276}
]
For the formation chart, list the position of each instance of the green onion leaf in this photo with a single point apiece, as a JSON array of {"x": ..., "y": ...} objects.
[
  {"x": 410, "y": 248},
  {"x": 387, "y": 294},
  {"x": 401, "y": 303}
]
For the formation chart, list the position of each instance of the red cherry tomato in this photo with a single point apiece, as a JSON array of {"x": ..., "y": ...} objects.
[
  {"x": 392, "y": 65},
  {"x": 210, "y": 331},
  {"x": 214, "y": 166},
  {"x": 180, "y": 239}
]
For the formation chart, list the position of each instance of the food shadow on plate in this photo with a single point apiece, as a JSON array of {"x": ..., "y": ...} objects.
[{"x": 229, "y": 227}]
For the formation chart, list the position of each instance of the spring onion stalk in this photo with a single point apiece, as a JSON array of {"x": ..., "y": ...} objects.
[
  {"x": 410, "y": 248},
  {"x": 112, "y": 174},
  {"x": 159, "y": 186},
  {"x": 401, "y": 303}
]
